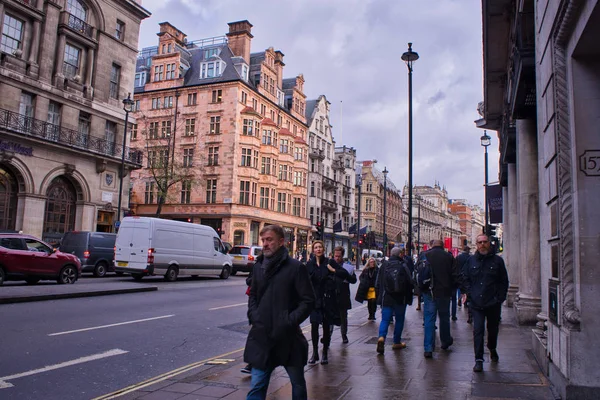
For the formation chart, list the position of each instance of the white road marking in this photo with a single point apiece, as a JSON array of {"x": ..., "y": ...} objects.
[
  {"x": 3, "y": 380},
  {"x": 229, "y": 306},
  {"x": 110, "y": 325}
]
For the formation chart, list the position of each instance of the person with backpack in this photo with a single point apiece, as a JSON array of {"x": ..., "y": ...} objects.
[
  {"x": 394, "y": 292},
  {"x": 438, "y": 278}
]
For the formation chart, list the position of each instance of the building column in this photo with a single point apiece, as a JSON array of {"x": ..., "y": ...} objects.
[
  {"x": 89, "y": 72},
  {"x": 35, "y": 42},
  {"x": 512, "y": 243},
  {"x": 60, "y": 58},
  {"x": 47, "y": 54},
  {"x": 528, "y": 301},
  {"x": 32, "y": 221}
]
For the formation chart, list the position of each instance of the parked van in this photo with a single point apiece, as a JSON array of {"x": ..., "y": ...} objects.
[
  {"x": 376, "y": 254},
  {"x": 153, "y": 246},
  {"x": 94, "y": 249}
]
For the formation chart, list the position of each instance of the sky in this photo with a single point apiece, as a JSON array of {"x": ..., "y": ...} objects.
[{"x": 350, "y": 51}]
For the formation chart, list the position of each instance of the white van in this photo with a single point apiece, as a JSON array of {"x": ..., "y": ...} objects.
[
  {"x": 376, "y": 254},
  {"x": 153, "y": 246}
]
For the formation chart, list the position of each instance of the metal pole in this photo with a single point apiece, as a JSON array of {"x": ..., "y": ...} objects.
[
  {"x": 419, "y": 230},
  {"x": 122, "y": 169},
  {"x": 485, "y": 229},
  {"x": 358, "y": 255},
  {"x": 384, "y": 211}
]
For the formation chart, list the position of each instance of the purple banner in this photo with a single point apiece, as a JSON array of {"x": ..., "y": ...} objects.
[{"x": 495, "y": 203}]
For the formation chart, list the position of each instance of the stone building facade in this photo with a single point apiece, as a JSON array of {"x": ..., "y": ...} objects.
[
  {"x": 224, "y": 134},
  {"x": 65, "y": 68},
  {"x": 542, "y": 96},
  {"x": 371, "y": 207}
]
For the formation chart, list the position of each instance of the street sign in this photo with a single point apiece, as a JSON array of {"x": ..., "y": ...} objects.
[
  {"x": 401, "y": 245},
  {"x": 117, "y": 224}
]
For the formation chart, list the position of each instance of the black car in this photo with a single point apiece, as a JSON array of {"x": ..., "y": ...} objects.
[{"x": 94, "y": 249}]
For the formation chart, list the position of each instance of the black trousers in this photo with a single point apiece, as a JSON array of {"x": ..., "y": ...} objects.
[
  {"x": 492, "y": 314},
  {"x": 314, "y": 333},
  {"x": 344, "y": 322},
  {"x": 372, "y": 307}
]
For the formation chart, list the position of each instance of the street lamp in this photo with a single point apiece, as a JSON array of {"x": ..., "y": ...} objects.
[
  {"x": 385, "y": 172},
  {"x": 409, "y": 58},
  {"x": 358, "y": 235},
  {"x": 485, "y": 142},
  {"x": 128, "y": 107}
]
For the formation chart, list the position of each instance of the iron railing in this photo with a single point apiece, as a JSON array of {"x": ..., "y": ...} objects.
[
  {"x": 31, "y": 127},
  {"x": 80, "y": 26},
  {"x": 30, "y": 3}
]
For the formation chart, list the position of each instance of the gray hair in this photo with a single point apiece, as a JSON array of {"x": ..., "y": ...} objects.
[{"x": 395, "y": 252}]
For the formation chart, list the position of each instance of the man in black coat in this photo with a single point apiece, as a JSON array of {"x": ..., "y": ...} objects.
[
  {"x": 486, "y": 283},
  {"x": 343, "y": 289},
  {"x": 461, "y": 262},
  {"x": 281, "y": 298},
  {"x": 446, "y": 279}
]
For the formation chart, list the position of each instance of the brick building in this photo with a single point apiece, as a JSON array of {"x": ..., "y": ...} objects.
[
  {"x": 65, "y": 67},
  {"x": 224, "y": 135}
]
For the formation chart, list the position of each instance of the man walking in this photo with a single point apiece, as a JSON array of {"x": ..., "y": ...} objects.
[
  {"x": 436, "y": 299},
  {"x": 461, "y": 262},
  {"x": 281, "y": 298},
  {"x": 394, "y": 291},
  {"x": 486, "y": 283},
  {"x": 343, "y": 289}
]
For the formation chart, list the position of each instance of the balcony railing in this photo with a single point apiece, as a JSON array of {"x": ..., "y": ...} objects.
[
  {"x": 31, "y": 127},
  {"x": 328, "y": 182},
  {"x": 328, "y": 205},
  {"x": 317, "y": 153},
  {"x": 30, "y": 3},
  {"x": 80, "y": 26}
]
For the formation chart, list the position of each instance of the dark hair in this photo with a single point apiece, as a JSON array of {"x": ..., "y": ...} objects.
[
  {"x": 340, "y": 248},
  {"x": 276, "y": 229}
]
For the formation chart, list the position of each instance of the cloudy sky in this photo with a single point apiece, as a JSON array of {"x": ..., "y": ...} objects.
[{"x": 349, "y": 50}]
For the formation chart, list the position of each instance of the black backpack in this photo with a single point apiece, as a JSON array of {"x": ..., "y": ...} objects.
[
  {"x": 424, "y": 275},
  {"x": 395, "y": 278}
]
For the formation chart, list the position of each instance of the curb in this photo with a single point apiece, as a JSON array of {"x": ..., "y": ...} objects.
[{"x": 56, "y": 296}]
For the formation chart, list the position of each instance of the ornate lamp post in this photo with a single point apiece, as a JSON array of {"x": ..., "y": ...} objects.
[
  {"x": 385, "y": 242},
  {"x": 409, "y": 57},
  {"x": 485, "y": 142},
  {"x": 128, "y": 107}
]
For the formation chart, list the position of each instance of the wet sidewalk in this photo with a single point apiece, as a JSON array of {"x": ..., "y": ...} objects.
[{"x": 356, "y": 371}]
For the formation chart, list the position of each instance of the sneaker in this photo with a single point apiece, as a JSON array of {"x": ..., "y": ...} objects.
[
  {"x": 247, "y": 369},
  {"x": 397, "y": 346},
  {"x": 478, "y": 366},
  {"x": 344, "y": 339},
  {"x": 428, "y": 354},
  {"x": 381, "y": 345},
  {"x": 494, "y": 355}
]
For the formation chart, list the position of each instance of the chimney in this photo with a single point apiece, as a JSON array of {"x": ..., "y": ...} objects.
[
  {"x": 239, "y": 38},
  {"x": 279, "y": 68}
]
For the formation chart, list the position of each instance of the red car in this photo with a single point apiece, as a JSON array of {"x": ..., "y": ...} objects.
[{"x": 25, "y": 257}]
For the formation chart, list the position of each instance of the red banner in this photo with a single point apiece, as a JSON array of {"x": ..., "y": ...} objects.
[{"x": 448, "y": 243}]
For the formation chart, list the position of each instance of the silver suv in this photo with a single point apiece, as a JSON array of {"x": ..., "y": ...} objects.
[{"x": 244, "y": 258}]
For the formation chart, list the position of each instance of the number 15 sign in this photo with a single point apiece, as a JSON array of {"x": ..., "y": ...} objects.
[{"x": 589, "y": 163}]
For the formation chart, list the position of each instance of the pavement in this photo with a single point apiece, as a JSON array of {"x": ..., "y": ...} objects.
[
  {"x": 21, "y": 292},
  {"x": 356, "y": 371}
]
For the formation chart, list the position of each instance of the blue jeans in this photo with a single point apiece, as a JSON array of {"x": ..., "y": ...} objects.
[
  {"x": 431, "y": 309},
  {"x": 260, "y": 383},
  {"x": 386, "y": 317}
]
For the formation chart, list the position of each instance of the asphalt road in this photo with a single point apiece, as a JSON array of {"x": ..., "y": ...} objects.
[{"x": 45, "y": 355}]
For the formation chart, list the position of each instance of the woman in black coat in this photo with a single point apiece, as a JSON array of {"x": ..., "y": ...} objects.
[
  {"x": 368, "y": 279},
  {"x": 326, "y": 310}
]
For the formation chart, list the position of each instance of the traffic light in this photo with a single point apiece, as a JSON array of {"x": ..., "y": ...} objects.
[
  {"x": 317, "y": 235},
  {"x": 491, "y": 230},
  {"x": 321, "y": 229}
]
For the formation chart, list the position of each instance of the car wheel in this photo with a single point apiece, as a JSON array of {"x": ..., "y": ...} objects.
[
  {"x": 1, "y": 276},
  {"x": 67, "y": 275},
  {"x": 32, "y": 281},
  {"x": 225, "y": 272},
  {"x": 100, "y": 269},
  {"x": 137, "y": 277},
  {"x": 233, "y": 271},
  {"x": 171, "y": 275}
]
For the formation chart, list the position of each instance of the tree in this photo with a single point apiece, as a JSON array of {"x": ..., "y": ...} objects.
[{"x": 168, "y": 162}]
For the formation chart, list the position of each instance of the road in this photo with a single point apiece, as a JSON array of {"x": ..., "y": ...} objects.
[{"x": 83, "y": 348}]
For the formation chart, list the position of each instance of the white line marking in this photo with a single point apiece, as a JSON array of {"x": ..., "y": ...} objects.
[
  {"x": 229, "y": 306},
  {"x": 111, "y": 325},
  {"x": 115, "y": 352}
]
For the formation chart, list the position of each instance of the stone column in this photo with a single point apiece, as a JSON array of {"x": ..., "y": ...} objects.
[
  {"x": 528, "y": 301},
  {"x": 512, "y": 242},
  {"x": 89, "y": 67},
  {"x": 35, "y": 42},
  {"x": 60, "y": 57},
  {"x": 47, "y": 54}
]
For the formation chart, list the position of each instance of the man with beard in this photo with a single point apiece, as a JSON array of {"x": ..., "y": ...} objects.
[
  {"x": 281, "y": 298},
  {"x": 486, "y": 283}
]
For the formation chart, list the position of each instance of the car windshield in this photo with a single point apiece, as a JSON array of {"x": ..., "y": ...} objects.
[{"x": 240, "y": 250}]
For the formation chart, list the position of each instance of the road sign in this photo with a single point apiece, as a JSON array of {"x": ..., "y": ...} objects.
[{"x": 117, "y": 224}]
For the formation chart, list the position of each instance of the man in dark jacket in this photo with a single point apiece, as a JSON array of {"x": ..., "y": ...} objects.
[
  {"x": 445, "y": 280},
  {"x": 343, "y": 289},
  {"x": 281, "y": 298},
  {"x": 461, "y": 262},
  {"x": 486, "y": 283},
  {"x": 393, "y": 303}
]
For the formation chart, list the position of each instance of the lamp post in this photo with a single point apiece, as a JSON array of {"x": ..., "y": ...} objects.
[
  {"x": 128, "y": 107},
  {"x": 409, "y": 57},
  {"x": 358, "y": 235},
  {"x": 485, "y": 142},
  {"x": 385, "y": 242}
]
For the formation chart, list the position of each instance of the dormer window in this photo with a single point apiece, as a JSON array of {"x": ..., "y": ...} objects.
[
  {"x": 208, "y": 53},
  {"x": 245, "y": 71},
  {"x": 211, "y": 69}
]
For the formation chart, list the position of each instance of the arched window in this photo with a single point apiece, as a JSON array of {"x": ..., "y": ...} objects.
[
  {"x": 238, "y": 238},
  {"x": 78, "y": 9},
  {"x": 60, "y": 210},
  {"x": 8, "y": 200}
]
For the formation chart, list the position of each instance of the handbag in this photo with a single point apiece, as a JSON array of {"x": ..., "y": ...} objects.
[
  {"x": 248, "y": 291},
  {"x": 371, "y": 293}
]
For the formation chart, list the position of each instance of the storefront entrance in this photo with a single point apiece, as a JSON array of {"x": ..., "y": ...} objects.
[
  {"x": 8, "y": 200},
  {"x": 60, "y": 210}
]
